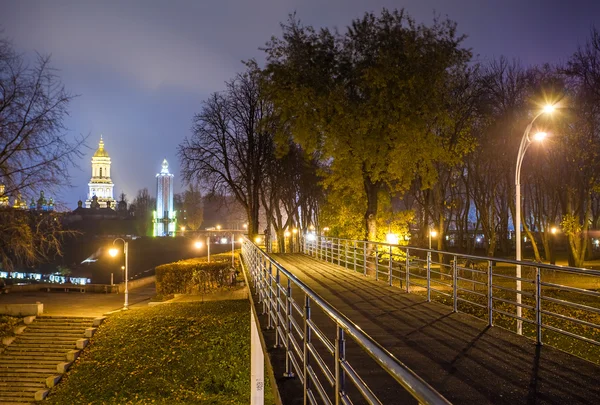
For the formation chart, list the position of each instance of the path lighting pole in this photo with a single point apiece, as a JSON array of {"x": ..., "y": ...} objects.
[
  {"x": 525, "y": 142},
  {"x": 113, "y": 252},
  {"x": 432, "y": 234},
  {"x": 232, "y": 249},
  {"x": 208, "y": 249}
]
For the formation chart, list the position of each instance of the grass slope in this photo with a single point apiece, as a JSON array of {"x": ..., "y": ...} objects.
[{"x": 188, "y": 353}]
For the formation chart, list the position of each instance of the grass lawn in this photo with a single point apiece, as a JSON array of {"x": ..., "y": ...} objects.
[{"x": 188, "y": 353}]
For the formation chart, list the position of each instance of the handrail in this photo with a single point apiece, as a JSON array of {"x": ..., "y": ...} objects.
[
  {"x": 489, "y": 287},
  {"x": 414, "y": 384}
]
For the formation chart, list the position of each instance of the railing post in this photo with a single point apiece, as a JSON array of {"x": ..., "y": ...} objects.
[
  {"x": 376, "y": 262},
  {"x": 538, "y": 305},
  {"x": 277, "y": 310},
  {"x": 390, "y": 276},
  {"x": 365, "y": 258},
  {"x": 428, "y": 276},
  {"x": 288, "y": 332},
  {"x": 346, "y": 253},
  {"x": 355, "y": 256},
  {"x": 340, "y": 356},
  {"x": 490, "y": 294},
  {"x": 269, "y": 285},
  {"x": 407, "y": 275},
  {"x": 306, "y": 359},
  {"x": 455, "y": 284}
]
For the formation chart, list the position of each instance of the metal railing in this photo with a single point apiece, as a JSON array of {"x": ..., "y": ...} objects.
[
  {"x": 557, "y": 302},
  {"x": 288, "y": 304}
]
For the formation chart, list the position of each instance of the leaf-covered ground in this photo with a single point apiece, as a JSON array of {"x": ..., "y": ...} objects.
[
  {"x": 188, "y": 353},
  {"x": 7, "y": 323}
]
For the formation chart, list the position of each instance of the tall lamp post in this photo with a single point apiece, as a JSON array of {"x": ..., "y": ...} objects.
[
  {"x": 525, "y": 142},
  {"x": 113, "y": 252}
]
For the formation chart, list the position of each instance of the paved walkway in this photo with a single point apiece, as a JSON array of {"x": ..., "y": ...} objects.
[
  {"x": 80, "y": 304},
  {"x": 460, "y": 356}
]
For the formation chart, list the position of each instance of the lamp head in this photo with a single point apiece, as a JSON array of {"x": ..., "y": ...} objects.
[
  {"x": 198, "y": 244},
  {"x": 113, "y": 252},
  {"x": 540, "y": 136},
  {"x": 391, "y": 238},
  {"x": 433, "y": 233},
  {"x": 553, "y": 230},
  {"x": 549, "y": 109}
]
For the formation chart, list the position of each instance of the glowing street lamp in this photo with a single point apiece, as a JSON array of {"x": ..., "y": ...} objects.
[
  {"x": 525, "y": 142},
  {"x": 391, "y": 238},
  {"x": 218, "y": 227},
  {"x": 432, "y": 234},
  {"x": 287, "y": 234},
  {"x": 198, "y": 244},
  {"x": 553, "y": 230},
  {"x": 113, "y": 252}
]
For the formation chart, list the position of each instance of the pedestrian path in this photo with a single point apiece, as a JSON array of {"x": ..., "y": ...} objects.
[{"x": 460, "y": 356}]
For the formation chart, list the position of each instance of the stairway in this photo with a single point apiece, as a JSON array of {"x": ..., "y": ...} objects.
[{"x": 41, "y": 352}]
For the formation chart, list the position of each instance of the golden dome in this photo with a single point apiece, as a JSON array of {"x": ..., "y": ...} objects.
[{"x": 101, "y": 152}]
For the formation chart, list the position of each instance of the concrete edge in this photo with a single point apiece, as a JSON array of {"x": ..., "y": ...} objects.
[
  {"x": 7, "y": 340},
  {"x": 53, "y": 380},
  {"x": 17, "y": 330},
  {"x": 29, "y": 319},
  {"x": 41, "y": 395},
  {"x": 63, "y": 367},
  {"x": 269, "y": 367},
  {"x": 72, "y": 355},
  {"x": 81, "y": 343},
  {"x": 98, "y": 321},
  {"x": 89, "y": 332}
]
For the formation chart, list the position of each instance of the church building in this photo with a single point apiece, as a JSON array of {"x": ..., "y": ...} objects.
[{"x": 100, "y": 186}]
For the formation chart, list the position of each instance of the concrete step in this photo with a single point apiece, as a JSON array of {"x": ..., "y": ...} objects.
[
  {"x": 12, "y": 401},
  {"x": 38, "y": 347},
  {"x": 4, "y": 363},
  {"x": 33, "y": 371},
  {"x": 56, "y": 327},
  {"x": 34, "y": 357},
  {"x": 14, "y": 383},
  {"x": 20, "y": 389},
  {"x": 42, "y": 334},
  {"x": 17, "y": 394},
  {"x": 46, "y": 339},
  {"x": 8, "y": 376}
]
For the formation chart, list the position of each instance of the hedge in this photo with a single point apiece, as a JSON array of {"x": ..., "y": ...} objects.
[{"x": 194, "y": 276}]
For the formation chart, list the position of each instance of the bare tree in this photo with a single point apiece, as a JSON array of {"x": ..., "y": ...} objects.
[
  {"x": 142, "y": 208},
  {"x": 35, "y": 154},
  {"x": 231, "y": 143}
]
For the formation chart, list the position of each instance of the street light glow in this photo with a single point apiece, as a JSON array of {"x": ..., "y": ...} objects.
[
  {"x": 549, "y": 109},
  {"x": 287, "y": 234},
  {"x": 391, "y": 238},
  {"x": 553, "y": 230},
  {"x": 540, "y": 136},
  {"x": 294, "y": 230},
  {"x": 113, "y": 252},
  {"x": 218, "y": 227},
  {"x": 198, "y": 244},
  {"x": 433, "y": 233}
]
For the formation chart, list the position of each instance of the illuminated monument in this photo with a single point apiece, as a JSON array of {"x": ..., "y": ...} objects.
[
  {"x": 101, "y": 185},
  {"x": 164, "y": 216}
]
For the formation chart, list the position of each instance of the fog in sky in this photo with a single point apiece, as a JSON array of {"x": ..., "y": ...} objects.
[{"x": 141, "y": 69}]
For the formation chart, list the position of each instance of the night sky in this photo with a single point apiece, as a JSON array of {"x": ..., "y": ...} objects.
[{"x": 142, "y": 68}]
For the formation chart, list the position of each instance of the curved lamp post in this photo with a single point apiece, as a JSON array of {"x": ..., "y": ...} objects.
[
  {"x": 113, "y": 252},
  {"x": 525, "y": 142}
]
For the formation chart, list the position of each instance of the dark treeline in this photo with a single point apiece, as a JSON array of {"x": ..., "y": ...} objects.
[{"x": 391, "y": 126}]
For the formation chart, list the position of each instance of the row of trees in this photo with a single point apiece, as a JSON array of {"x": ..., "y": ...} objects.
[{"x": 391, "y": 126}]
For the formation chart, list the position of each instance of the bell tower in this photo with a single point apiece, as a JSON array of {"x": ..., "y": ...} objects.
[{"x": 101, "y": 186}]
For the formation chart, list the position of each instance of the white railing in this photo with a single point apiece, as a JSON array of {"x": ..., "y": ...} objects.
[
  {"x": 557, "y": 302},
  {"x": 288, "y": 304}
]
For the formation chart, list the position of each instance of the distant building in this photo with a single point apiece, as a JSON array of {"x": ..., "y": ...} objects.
[
  {"x": 101, "y": 186},
  {"x": 164, "y": 217}
]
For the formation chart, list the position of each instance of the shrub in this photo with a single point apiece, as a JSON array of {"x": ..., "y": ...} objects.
[{"x": 194, "y": 275}]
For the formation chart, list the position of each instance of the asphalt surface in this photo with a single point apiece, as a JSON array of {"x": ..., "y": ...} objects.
[
  {"x": 80, "y": 304},
  {"x": 459, "y": 355}
]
